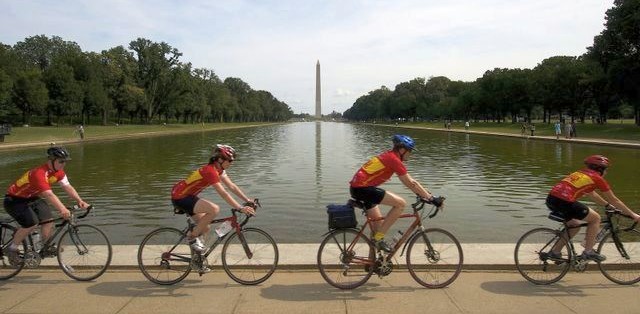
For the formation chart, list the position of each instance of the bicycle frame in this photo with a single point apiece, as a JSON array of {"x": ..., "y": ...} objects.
[{"x": 408, "y": 234}]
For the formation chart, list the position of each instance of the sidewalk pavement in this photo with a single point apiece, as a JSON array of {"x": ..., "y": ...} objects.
[{"x": 127, "y": 291}]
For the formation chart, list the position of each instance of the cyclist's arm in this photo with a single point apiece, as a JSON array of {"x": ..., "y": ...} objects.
[
  {"x": 54, "y": 201},
  {"x": 229, "y": 199},
  {"x": 609, "y": 198},
  {"x": 415, "y": 186},
  {"x": 234, "y": 188},
  {"x": 71, "y": 191}
]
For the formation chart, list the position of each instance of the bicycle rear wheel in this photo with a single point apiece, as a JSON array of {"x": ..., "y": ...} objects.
[
  {"x": 253, "y": 269},
  {"x": 9, "y": 268},
  {"x": 622, "y": 265},
  {"x": 345, "y": 259},
  {"x": 164, "y": 257},
  {"x": 434, "y": 258},
  {"x": 84, "y": 252},
  {"x": 533, "y": 260}
]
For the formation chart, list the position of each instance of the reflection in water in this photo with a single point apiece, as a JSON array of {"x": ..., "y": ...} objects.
[{"x": 495, "y": 187}]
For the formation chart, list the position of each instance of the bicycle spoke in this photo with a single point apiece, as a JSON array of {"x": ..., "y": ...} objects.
[
  {"x": 84, "y": 252},
  {"x": 251, "y": 258},
  {"x": 345, "y": 259},
  {"x": 164, "y": 257},
  {"x": 533, "y": 260},
  {"x": 622, "y": 265},
  {"x": 9, "y": 268},
  {"x": 434, "y": 258}
]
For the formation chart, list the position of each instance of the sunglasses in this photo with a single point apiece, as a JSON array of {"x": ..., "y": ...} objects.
[{"x": 61, "y": 161}]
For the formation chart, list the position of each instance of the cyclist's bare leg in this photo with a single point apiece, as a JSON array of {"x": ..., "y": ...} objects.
[
  {"x": 397, "y": 204},
  {"x": 593, "y": 220},
  {"x": 572, "y": 232},
  {"x": 373, "y": 213},
  {"x": 22, "y": 234},
  {"x": 45, "y": 230},
  {"x": 206, "y": 211}
]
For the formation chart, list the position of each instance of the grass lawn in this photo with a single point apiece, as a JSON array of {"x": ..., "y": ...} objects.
[
  {"x": 614, "y": 130},
  {"x": 20, "y": 135}
]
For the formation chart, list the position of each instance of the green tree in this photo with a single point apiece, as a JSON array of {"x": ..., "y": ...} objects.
[{"x": 30, "y": 94}]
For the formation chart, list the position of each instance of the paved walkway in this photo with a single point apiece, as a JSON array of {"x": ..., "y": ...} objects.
[{"x": 37, "y": 291}]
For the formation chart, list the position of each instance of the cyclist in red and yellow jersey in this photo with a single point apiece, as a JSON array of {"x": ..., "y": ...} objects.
[
  {"x": 184, "y": 194},
  {"x": 29, "y": 198},
  {"x": 379, "y": 169},
  {"x": 563, "y": 198}
]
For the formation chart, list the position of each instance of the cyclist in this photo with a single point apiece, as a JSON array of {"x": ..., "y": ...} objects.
[
  {"x": 563, "y": 198},
  {"x": 364, "y": 186},
  {"x": 29, "y": 199},
  {"x": 184, "y": 194}
]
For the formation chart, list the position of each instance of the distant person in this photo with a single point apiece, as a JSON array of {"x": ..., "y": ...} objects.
[
  {"x": 563, "y": 198},
  {"x": 29, "y": 199},
  {"x": 574, "y": 132},
  {"x": 532, "y": 127},
  {"x": 184, "y": 194},
  {"x": 523, "y": 129},
  {"x": 376, "y": 171},
  {"x": 80, "y": 131},
  {"x": 558, "y": 130},
  {"x": 466, "y": 125},
  {"x": 567, "y": 130}
]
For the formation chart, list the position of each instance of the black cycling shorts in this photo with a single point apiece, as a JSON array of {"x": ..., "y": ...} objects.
[
  {"x": 570, "y": 210},
  {"x": 28, "y": 212},
  {"x": 187, "y": 203},
  {"x": 371, "y": 196}
]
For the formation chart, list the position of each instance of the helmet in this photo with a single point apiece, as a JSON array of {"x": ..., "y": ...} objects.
[
  {"x": 224, "y": 151},
  {"x": 597, "y": 161},
  {"x": 58, "y": 153},
  {"x": 403, "y": 141}
]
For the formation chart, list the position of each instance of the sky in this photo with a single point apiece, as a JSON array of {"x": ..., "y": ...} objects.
[{"x": 361, "y": 45}]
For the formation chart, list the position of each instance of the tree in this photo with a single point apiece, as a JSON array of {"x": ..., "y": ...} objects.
[
  {"x": 155, "y": 63},
  {"x": 617, "y": 49},
  {"x": 30, "y": 94}
]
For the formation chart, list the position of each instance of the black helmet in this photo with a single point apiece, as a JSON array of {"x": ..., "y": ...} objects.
[{"x": 58, "y": 153}]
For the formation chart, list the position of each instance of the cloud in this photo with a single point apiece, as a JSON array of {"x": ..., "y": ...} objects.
[{"x": 361, "y": 45}]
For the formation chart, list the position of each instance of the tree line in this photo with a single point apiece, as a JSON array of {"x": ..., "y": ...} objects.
[
  {"x": 600, "y": 84},
  {"x": 55, "y": 81}
]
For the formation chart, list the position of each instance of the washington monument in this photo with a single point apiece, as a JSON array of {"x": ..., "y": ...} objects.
[{"x": 318, "y": 101}]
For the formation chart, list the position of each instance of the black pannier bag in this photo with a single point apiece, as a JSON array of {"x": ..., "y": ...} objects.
[{"x": 341, "y": 216}]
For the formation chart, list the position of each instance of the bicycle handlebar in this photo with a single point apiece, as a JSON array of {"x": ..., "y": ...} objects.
[
  {"x": 437, "y": 202},
  {"x": 610, "y": 211},
  {"x": 255, "y": 205}
]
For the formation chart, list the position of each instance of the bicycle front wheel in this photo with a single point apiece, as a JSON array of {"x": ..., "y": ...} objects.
[
  {"x": 84, "y": 252},
  {"x": 533, "y": 260},
  {"x": 622, "y": 265},
  {"x": 164, "y": 257},
  {"x": 9, "y": 268},
  {"x": 434, "y": 258},
  {"x": 346, "y": 259},
  {"x": 251, "y": 257}
]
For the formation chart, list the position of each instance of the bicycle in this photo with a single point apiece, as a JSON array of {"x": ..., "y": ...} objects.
[
  {"x": 621, "y": 246},
  {"x": 83, "y": 251},
  {"x": 347, "y": 258},
  {"x": 249, "y": 255}
]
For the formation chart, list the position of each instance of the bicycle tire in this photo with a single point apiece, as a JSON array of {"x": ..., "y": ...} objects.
[
  {"x": 7, "y": 270},
  {"x": 250, "y": 270},
  {"x": 623, "y": 270},
  {"x": 531, "y": 257},
  {"x": 342, "y": 269},
  {"x": 84, "y": 252},
  {"x": 164, "y": 257},
  {"x": 435, "y": 264}
]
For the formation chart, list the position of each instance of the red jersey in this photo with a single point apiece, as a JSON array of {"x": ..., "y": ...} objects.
[
  {"x": 579, "y": 183},
  {"x": 36, "y": 181},
  {"x": 378, "y": 170},
  {"x": 197, "y": 181}
]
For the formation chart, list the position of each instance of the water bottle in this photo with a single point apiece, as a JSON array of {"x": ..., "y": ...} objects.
[
  {"x": 223, "y": 228},
  {"x": 396, "y": 238},
  {"x": 37, "y": 240}
]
